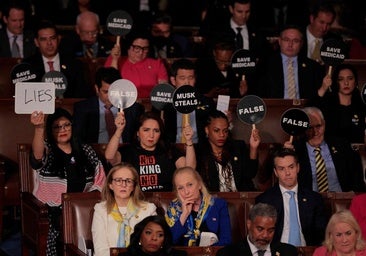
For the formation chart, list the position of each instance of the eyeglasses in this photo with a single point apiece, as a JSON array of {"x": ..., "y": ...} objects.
[
  {"x": 89, "y": 33},
  {"x": 66, "y": 127},
  {"x": 138, "y": 49},
  {"x": 288, "y": 40},
  {"x": 127, "y": 182}
]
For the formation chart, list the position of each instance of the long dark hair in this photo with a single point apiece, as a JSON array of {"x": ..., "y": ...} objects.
[{"x": 134, "y": 246}]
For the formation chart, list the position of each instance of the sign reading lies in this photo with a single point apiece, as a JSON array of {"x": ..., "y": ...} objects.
[
  {"x": 30, "y": 96},
  {"x": 251, "y": 109},
  {"x": 243, "y": 62},
  {"x": 122, "y": 93},
  {"x": 119, "y": 23},
  {"x": 185, "y": 99},
  {"x": 333, "y": 52},
  {"x": 22, "y": 72},
  {"x": 161, "y": 95},
  {"x": 294, "y": 121}
]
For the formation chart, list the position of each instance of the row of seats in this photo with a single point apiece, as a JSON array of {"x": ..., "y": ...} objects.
[
  {"x": 35, "y": 221},
  {"x": 90, "y": 67}
]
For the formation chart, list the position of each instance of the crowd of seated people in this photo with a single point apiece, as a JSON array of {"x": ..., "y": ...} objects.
[{"x": 210, "y": 160}]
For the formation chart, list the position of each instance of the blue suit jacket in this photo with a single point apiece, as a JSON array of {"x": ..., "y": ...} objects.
[
  {"x": 217, "y": 221},
  {"x": 311, "y": 211}
]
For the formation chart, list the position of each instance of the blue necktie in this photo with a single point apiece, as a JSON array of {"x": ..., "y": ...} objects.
[{"x": 294, "y": 235}]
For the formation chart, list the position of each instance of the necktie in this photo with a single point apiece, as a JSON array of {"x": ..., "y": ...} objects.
[
  {"x": 261, "y": 252},
  {"x": 239, "y": 38},
  {"x": 291, "y": 90},
  {"x": 50, "y": 64},
  {"x": 321, "y": 172},
  {"x": 185, "y": 122},
  {"x": 294, "y": 235},
  {"x": 15, "y": 48},
  {"x": 109, "y": 121},
  {"x": 316, "y": 51},
  {"x": 89, "y": 53}
]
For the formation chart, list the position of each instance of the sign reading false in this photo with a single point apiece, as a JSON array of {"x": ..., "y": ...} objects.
[
  {"x": 251, "y": 109},
  {"x": 161, "y": 95},
  {"x": 294, "y": 121},
  {"x": 122, "y": 93},
  {"x": 60, "y": 81},
  {"x": 243, "y": 62},
  {"x": 22, "y": 72},
  {"x": 30, "y": 96},
  {"x": 185, "y": 99}
]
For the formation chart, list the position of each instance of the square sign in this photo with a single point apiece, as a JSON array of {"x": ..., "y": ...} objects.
[{"x": 31, "y": 96}]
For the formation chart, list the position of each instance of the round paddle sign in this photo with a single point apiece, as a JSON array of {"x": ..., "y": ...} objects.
[
  {"x": 122, "y": 93},
  {"x": 333, "y": 52},
  {"x": 161, "y": 95},
  {"x": 60, "y": 81},
  {"x": 294, "y": 121},
  {"x": 185, "y": 99},
  {"x": 251, "y": 109},
  {"x": 119, "y": 23},
  {"x": 243, "y": 62},
  {"x": 22, "y": 72}
]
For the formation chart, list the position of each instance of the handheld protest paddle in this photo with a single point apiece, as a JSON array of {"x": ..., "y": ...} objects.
[
  {"x": 161, "y": 95},
  {"x": 332, "y": 53},
  {"x": 243, "y": 62},
  {"x": 294, "y": 121},
  {"x": 122, "y": 94},
  {"x": 60, "y": 81},
  {"x": 185, "y": 101},
  {"x": 251, "y": 110},
  {"x": 22, "y": 72},
  {"x": 119, "y": 23}
]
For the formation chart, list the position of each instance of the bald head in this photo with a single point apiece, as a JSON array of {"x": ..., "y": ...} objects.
[{"x": 87, "y": 27}]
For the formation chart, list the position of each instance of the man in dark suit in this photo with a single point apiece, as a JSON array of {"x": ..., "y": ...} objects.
[
  {"x": 87, "y": 40},
  {"x": 261, "y": 226},
  {"x": 49, "y": 59},
  {"x": 13, "y": 17},
  {"x": 273, "y": 81},
  {"x": 183, "y": 73},
  {"x": 89, "y": 115},
  {"x": 311, "y": 220},
  {"x": 343, "y": 165}
]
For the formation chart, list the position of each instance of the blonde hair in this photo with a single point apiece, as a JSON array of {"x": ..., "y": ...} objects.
[
  {"x": 343, "y": 216},
  {"x": 195, "y": 175},
  {"x": 108, "y": 195}
]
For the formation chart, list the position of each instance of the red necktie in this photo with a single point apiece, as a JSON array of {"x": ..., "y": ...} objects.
[
  {"x": 109, "y": 121},
  {"x": 50, "y": 64}
]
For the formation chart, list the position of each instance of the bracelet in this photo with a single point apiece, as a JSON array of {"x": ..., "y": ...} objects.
[{"x": 189, "y": 145}]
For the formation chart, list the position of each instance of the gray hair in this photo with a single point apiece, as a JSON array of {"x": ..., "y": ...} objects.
[
  {"x": 313, "y": 110},
  {"x": 87, "y": 14},
  {"x": 263, "y": 210}
]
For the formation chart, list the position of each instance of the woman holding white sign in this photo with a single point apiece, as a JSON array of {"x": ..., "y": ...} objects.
[
  {"x": 61, "y": 165},
  {"x": 226, "y": 164},
  {"x": 153, "y": 159}
]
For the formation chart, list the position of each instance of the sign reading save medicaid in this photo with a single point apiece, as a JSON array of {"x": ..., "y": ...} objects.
[
  {"x": 333, "y": 52},
  {"x": 31, "y": 96},
  {"x": 119, "y": 23},
  {"x": 251, "y": 109},
  {"x": 243, "y": 62},
  {"x": 294, "y": 121},
  {"x": 122, "y": 93},
  {"x": 161, "y": 95},
  {"x": 22, "y": 72},
  {"x": 185, "y": 99}
]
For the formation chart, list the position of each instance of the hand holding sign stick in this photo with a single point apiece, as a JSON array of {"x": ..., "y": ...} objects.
[
  {"x": 294, "y": 121},
  {"x": 242, "y": 62},
  {"x": 119, "y": 23},
  {"x": 122, "y": 94},
  {"x": 251, "y": 110}
]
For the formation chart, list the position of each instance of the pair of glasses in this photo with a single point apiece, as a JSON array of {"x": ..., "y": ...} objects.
[
  {"x": 138, "y": 49},
  {"x": 66, "y": 127},
  {"x": 120, "y": 181},
  {"x": 89, "y": 33}
]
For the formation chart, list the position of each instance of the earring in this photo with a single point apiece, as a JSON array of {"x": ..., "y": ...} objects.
[{"x": 140, "y": 243}]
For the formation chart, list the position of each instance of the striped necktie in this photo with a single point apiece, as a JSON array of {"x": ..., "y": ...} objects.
[
  {"x": 321, "y": 173},
  {"x": 316, "y": 51},
  {"x": 15, "y": 48},
  {"x": 291, "y": 90}
]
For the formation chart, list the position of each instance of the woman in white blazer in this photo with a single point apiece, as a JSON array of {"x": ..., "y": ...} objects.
[{"x": 121, "y": 208}]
